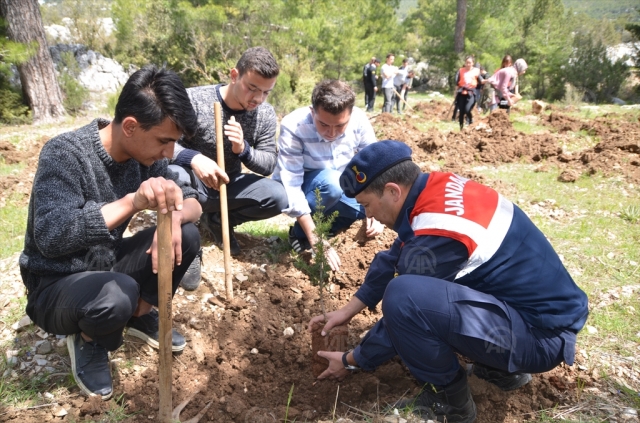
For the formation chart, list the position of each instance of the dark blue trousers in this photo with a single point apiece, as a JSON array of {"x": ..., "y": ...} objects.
[{"x": 427, "y": 320}]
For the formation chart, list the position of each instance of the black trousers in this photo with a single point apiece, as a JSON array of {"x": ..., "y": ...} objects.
[
  {"x": 99, "y": 303},
  {"x": 250, "y": 197},
  {"x": 465, "y": 103},
  {"x": 369, "y": 96}
]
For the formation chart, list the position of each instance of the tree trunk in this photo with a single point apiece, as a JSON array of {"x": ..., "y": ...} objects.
[
  {"x": 461, "y": 23},
  {"x": 37, "y": 75}
]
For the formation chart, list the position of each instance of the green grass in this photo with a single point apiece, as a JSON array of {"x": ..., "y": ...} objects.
[
  {"x": 10, "y": 169},
  {"x": 13, "y": 224},
  {"x": 264, "y": 229},
  {"x": 592, "y": 223}
]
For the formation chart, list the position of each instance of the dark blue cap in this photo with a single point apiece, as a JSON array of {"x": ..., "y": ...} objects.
[{"x": 370, "y": 162}]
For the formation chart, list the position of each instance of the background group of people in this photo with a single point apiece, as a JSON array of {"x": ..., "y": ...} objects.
[
  {"x": 396, "y": 83},
  {"x": 473, "y": 84},
  {"x": 492, "y": 288}
]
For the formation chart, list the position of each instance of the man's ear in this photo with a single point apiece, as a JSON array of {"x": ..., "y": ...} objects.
[
  {"x": 394, "y": 190},
  {"x": 235, "y": 75},
  {"x": 130, "y": 126}
]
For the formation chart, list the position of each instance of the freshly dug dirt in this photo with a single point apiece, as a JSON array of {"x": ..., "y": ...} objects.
[{"x": 238, "y": 355}]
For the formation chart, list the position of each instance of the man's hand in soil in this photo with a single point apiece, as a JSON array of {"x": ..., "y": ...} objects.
[
  {"x": 336, "y": 369},
  {"x": 233, "y": 131},
  {"x": 208, "y": 171},
  {"x": 332, "y": 258},
  {"x": 374, "y": 228},
  {"x": 337, "y": 317}
]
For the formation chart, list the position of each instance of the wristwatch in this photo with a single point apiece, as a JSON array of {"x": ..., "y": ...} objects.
[{"x": 346, "y": 363}]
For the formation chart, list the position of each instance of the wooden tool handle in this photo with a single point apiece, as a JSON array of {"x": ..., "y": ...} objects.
[
  {"x": 224, "y": 211},
  {"x": 164, "y": 308}
]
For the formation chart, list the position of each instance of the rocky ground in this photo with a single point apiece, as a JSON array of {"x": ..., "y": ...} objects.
[{"x": 244, "y": 356}]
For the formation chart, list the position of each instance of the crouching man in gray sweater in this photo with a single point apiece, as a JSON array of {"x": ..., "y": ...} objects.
[{"x": 83, "y": 279}]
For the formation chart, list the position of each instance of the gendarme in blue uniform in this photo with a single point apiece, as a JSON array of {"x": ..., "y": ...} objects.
[{"x": 469, "y": 273}]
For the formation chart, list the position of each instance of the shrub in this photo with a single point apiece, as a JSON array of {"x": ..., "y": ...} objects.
[{"x": 75, "y": 95}]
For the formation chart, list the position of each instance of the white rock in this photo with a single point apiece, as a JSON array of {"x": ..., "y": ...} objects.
[
  {"x": 48, "y": 395},
  {"x": 591, "y": 329},
  {"x": 12, "y": 353},
  {"x": 22, "y": 323},
  {"x": 241, "y": 277},
  {"x": 41, "y": 362},
  {"x": 288, "y": 332},
  {"x": 611, "y": 255},
  {"x": 58, "y": 411},
  {"x": 12, "y": 361},
  {"x": 42, "y": 334},
  {"x": 254, "y": 351}
]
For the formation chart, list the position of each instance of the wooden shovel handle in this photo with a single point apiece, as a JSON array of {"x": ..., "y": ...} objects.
[
  {"x": 165, "y": 271},
  {"x": 224, "y": 211}
]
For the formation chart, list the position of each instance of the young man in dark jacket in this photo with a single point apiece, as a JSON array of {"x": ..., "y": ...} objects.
[{"x": 83, "y": 279}]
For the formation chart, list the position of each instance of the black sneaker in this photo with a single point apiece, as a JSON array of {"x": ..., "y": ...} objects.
[
  {"x": 451, "y": 403},
  {"x": 211, "y": 223},
  {"x": 146, "y": 327},
  {"x": 191, "y": 280},
  {"x": 90, "y": 366},
  {"x": 503, "y": 380},
  {"x": 299, "y": 245}
]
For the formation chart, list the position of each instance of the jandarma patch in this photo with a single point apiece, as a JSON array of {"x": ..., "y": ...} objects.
[{"x": 360, "y": 176}]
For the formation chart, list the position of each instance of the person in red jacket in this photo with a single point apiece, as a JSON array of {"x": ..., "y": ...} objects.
[{"x": 467, "y": 79}]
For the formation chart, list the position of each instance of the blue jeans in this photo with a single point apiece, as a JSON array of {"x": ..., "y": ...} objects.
[{"x": 333, "y": 199}]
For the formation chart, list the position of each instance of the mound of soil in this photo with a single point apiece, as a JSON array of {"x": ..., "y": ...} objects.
[{"x": 239, "y": 357}]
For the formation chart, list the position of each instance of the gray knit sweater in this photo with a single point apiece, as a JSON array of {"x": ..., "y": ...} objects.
[
  {"x": 66, "y": 232},
  {"x": 258, "y": 127}
]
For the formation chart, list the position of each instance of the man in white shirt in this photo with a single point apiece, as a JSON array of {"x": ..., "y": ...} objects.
[
  {"x": 315, "y": 145},
  {"x": 388, "y": 72},
  {"x": 398, "y": 83}
]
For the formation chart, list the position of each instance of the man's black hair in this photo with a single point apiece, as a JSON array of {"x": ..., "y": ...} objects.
[
  {"x": 153, "y": 94},
  {"x": 333, "y": 96},
  {"x": 259, "y": 60},
  {"x": 404, "y": 173}
]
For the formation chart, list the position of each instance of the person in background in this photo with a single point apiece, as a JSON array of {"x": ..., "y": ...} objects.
[
  {"x": 388, "y": 72},
  {"x": 507, "y": 61},
  {"x": 467, "y": 80},
  {"x": 503, "y": 79},
  {"x": 369, "y": 78},
  {"x": 408, "y": 83},
  {"x": 399, "y": 82}
]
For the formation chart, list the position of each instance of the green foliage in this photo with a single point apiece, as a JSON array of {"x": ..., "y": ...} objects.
[
  {"x": 203, "y": 39},
  {"x": 13, "y": 108},
  {"x": 87, "y": 21},
  {"x": 75, "y": 94},
  {"x": 591, "y": 70}
]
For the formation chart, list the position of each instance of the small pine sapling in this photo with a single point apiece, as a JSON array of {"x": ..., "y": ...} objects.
[{"x": 317, "y": 269}]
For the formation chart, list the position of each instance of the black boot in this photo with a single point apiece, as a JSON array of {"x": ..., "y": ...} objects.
[
  {"x": 503, "y": 380},
  {"x": 451, "y": 403}
]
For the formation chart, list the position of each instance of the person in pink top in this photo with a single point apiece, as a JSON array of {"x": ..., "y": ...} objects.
[{"x": 502, "y": 82}]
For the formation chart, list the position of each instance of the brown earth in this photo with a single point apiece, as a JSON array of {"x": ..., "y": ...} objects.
[{"x": 238, "y": 355}]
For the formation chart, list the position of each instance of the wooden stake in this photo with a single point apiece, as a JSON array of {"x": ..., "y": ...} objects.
[
  {"x": 224, "y": 212},
  {"x": 164, "y": 309}
]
